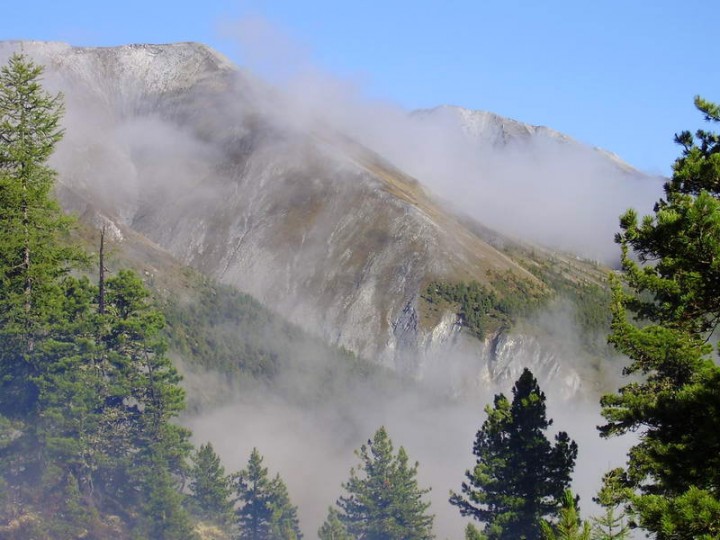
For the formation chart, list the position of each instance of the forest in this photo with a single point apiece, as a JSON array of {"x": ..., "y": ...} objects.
[{"x": 91, "y": 446}]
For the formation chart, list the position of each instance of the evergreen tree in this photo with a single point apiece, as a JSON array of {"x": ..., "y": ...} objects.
[
  {"x": 384, "y": 500},
  {"x": 265, "y": 511},
  {"x": 568, "y": 526},
  {"x": 32, "y": 258},
  {"x": 333, "y": 528},
  {"x": 162, "y": 515},
  {"x": 149, "y": 454},
  {"x": 472, "y": 533},
  {"x": 70, "y": 398},
  {"x": 87, "y": 393},
  {"x": 519, "y": 477},
  {"x": 38, "y": 323},
  {"x": 613, "y": 524},
  {"x": 210, "y": 487},
  {"x": 284, "y": 524},
  {"x": 672, "y": 286}
]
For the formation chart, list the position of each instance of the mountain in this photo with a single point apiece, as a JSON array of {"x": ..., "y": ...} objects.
[
  {"x": 179, "y": 146},
  {"x": 489, "y": 130}
]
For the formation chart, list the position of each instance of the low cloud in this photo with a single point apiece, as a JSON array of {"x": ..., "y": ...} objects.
[{"x": 543, "y": 187}]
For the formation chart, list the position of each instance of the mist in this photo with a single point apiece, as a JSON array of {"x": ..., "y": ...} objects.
[
  {"x": 539, "y": 187},
  {"x": 527, "y": 182},
  {"x": 312, "y": 444}
]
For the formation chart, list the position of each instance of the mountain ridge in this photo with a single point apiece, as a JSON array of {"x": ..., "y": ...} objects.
[{"x": 330, "y": 234}]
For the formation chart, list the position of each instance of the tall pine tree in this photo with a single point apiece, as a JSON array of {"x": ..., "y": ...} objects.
[
  {"x": 265, "y": 511},
  {"x": 519, "y": 477},
  {"x": 87, "y": 394},
  {"x": 569, "y": 526},
  {"x": 33, "y": 259},
  {"x": 384, "y": 501},
  {"x": 210, "y": 486},
  {"x": 671, "y": 284}
]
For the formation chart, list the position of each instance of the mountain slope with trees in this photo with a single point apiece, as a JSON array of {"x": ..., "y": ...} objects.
[{"x": 89, "y": 440}]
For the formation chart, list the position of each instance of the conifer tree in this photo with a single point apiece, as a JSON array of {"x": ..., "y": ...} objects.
[
  {"x": 568, "y": 526},
  {"x": 472, "y": 533},
  {"x": 613, "y": 524},
  {"x": 384, "y": 500},
  {"x": 333, "y": 528},
  {"x": 87, "y": 392},
  {"x": 265, "y": 511},
  {"x": 150, "y": 451},
  {"x": 284, "y": 524},
  {"x": 671, "y": 284},
  {"x": 210, "y": 486},
  {"x": 32, "y": 258},
  {"x": 519, "y": 477}
]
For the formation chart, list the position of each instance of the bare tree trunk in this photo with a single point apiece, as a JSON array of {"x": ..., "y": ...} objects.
[{"x": 101, "y": 279}]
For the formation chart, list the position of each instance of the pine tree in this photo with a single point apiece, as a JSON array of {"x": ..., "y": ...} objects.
[
  {"x": 384, "y": 500},
  {"x": 284, "y": 524},
  {"x": 613, "y": 524},
  {"x": 265, "y": 511},
  {"x": 519, "y": 477},
  {"x": 568, "y": 526},
  {"x": 32, "y": 258},
  {"x": 87, "y": 392},
  {"x": 38, "y": 323},
  {"x": 150, "y": 452},
  {"x": 210, "y": 486},
  {"x": 672, "y": 286},
  {"x": 333, "y": 528},
  {"x": 69, "y": 391}
]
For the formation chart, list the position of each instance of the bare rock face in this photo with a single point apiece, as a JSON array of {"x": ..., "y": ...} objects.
[{"x": 177, "y": 144}]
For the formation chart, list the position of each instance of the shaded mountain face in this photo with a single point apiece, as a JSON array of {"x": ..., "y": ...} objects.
[{"x": 180, "y": 146}]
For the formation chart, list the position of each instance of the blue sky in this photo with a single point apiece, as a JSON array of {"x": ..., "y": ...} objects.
[{"x": 615, "y": 74}]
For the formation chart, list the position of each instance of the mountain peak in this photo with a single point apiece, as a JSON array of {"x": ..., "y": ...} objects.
[{"x": 127, "y": 69}]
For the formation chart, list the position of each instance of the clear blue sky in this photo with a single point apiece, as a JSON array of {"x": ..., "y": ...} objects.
[{"x": 615, "y": 74}]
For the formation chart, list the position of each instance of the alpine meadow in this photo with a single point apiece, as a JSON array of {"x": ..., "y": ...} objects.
[{"x": 228, "y": 311}]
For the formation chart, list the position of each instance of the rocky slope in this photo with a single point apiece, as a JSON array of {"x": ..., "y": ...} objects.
[{"x": 180, "y": 146}]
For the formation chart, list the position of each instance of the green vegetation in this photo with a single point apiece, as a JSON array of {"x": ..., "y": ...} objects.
[
  {"x": 384, "y": 501},
  {"x": 568, "y": 526},
  {"x": 483, "y": 310},
  {"x": 589, "y": 298},
  {"x": 89, "y": 447},
  {"x": 89, "y": 397},
  {"x": 222, "y": 329},
  {"x": 210, "y": 488},
  {"x": 213, "y": 327},
  {"x": 265, "y": 510},
  {"x": 89, "y": 393},
  {"x": 519, "y": 478},
  {"x": 333, "y": 527},
  {"x": 613, "y": 524},
  {"x": 671, "y": 287}
]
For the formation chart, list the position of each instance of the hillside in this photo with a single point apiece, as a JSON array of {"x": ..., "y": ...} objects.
[{"x": 196, "y": 156}]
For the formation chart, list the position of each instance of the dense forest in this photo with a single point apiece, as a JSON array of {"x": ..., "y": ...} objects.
[{"x": 91, "y": 446}]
